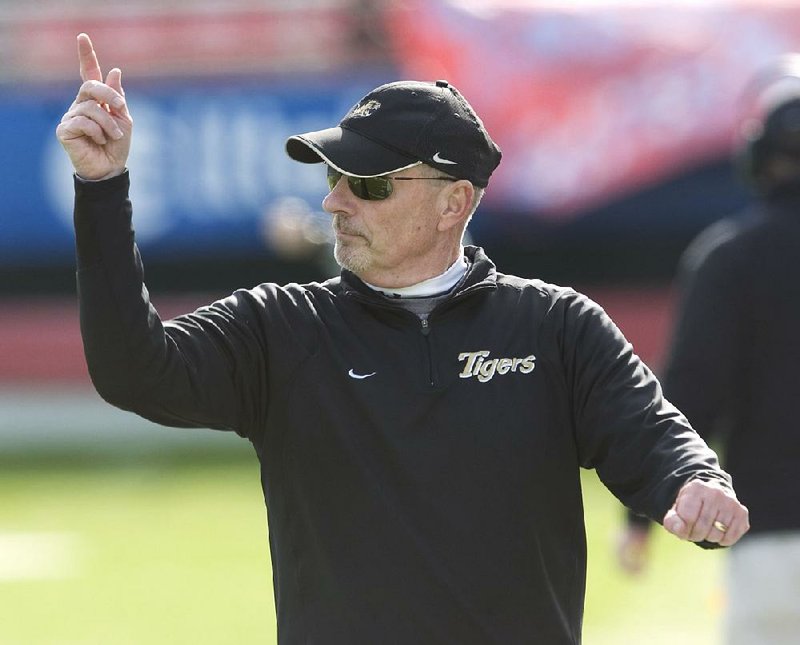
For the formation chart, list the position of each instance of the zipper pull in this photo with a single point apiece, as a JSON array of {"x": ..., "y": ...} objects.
[{"x": 426, "y": 328}]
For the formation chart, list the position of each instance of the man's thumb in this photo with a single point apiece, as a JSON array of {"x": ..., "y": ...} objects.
[{"x": 674, "y": 524}]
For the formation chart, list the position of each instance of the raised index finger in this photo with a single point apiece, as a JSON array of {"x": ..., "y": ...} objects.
[{"x": 90, "y": 66}]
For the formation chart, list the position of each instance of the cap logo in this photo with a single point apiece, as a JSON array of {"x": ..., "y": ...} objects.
[
  {"x": 439, "y": 159},
  {"x": 370, "y": 107}
]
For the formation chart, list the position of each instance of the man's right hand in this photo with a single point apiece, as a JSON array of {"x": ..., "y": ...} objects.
[{"x": 96, "y": 130}]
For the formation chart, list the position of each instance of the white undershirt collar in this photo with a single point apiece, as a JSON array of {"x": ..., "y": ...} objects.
[{"x": 432, "y": 286}]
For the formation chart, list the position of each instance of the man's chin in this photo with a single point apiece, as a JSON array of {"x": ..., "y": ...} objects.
[{"x": 355, "y": 260}]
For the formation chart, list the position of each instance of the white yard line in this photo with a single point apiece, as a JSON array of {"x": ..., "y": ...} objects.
[{"x": 51, "y": 417}]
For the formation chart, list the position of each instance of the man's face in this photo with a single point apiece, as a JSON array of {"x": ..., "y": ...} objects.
[{"x": 383, "y": 240}]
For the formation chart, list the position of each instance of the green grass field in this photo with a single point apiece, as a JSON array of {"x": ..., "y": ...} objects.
[{"x": 173, "y": 549}]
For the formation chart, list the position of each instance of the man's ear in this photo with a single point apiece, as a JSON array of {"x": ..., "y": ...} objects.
[{"x": 455, "y": 204}]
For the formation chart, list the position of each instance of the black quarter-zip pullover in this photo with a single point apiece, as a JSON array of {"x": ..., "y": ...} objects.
[{"x": 422, "y": 483}]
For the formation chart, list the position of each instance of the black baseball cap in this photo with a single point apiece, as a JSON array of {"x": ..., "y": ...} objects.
[{"x": 399, "y": 125}]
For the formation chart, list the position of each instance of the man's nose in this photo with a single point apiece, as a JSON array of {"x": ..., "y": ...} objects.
[{"x": 339, "y": 199}]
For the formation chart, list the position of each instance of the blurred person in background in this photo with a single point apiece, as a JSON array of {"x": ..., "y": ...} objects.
[
  {"x": 292, "y": 230},
  {"x": 734, "y": 362},
  {"x": 422, "y": 418}
]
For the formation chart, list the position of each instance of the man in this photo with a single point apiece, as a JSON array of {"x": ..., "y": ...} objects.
[
  {"x": 421, "y": 419},
  {"x": 732, "y": 369}
]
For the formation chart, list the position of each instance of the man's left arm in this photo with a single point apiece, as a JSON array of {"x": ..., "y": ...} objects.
[{"x": 643, "y": 448}]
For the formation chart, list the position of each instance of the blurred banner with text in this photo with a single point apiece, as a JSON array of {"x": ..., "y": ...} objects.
[{"x": 590, "y": 102}]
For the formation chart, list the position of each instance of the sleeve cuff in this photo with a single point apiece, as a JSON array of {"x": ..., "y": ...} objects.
[{"x": 88, "y": 187}]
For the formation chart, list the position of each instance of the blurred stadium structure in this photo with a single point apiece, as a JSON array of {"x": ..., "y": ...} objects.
[
  {"x": 616, "y": 119},
  {"x": 152, "y": 38}
]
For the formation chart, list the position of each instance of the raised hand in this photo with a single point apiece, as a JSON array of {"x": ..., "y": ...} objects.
[{"x": 96, "y": 130}]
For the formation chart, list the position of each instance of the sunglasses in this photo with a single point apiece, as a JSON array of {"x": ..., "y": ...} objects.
[{"x": 373, "y": 188}]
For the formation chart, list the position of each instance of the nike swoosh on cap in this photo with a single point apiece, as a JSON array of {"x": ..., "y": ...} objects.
[
  {"x": 438, "y": 159},
  {"x": 352, "y": 374}
]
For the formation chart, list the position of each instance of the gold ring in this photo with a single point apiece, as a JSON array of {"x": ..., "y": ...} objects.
[{"x": 720, "y": 526}]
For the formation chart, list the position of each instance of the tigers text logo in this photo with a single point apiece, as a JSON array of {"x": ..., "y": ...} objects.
[{"x": 484, "y": 370}]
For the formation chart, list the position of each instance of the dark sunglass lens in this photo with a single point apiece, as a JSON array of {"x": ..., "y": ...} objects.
[
  {"x": 378, "y": 187},
  {"x": 368, "y": 188},
  {"x": 333, "y": 177},
  {"x": 358, "y": 187}
]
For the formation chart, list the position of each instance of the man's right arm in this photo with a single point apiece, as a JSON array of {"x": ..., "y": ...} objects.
[{"x": 201, "y": 370}]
